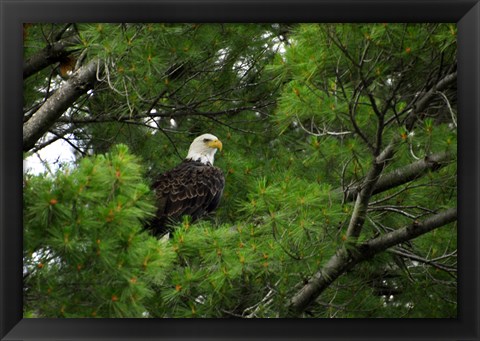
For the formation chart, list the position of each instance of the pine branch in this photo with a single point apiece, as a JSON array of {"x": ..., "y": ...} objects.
[
  {"x": 173, "y": 113},
  {"x": 415, "y": 257},
  {"x": 345, "y": 259},
  {"x": 425, "y": 100},
  {"x": 405, "y": 174},
  {"x": 49, "y": 55},
  {"x": 363, "y": 197},
  {"x": 61, "y": 100}
]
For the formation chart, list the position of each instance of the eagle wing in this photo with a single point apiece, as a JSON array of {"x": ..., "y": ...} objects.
[{"x": 191, "y": 188}]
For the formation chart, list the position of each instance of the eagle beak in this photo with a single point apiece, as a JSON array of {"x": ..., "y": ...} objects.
[{"x": 216, "y": 144}]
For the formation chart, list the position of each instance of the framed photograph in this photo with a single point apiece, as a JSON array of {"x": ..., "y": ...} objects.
[{"x": 240, "y": 170}]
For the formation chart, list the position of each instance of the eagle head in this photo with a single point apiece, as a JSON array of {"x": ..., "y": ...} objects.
[{"x": 203, "y": 148}]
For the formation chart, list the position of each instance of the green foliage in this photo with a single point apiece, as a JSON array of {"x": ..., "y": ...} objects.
[
  {"x": 302, "y": 111},
  {"x": 85, "y": 247}
]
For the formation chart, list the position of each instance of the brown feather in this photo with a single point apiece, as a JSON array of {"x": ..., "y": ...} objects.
[{"x": 192, "y": 188}]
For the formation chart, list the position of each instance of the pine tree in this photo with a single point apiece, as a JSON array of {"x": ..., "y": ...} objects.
[{"x": 339, "y": 156}]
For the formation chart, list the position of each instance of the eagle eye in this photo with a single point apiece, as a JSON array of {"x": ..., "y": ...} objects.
[{"x": 206, "y": 140}]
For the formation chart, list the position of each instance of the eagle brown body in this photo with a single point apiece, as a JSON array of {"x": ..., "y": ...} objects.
[{"x": 192, "y": 188}]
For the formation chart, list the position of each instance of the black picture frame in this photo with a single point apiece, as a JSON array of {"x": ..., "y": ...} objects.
[{"x": 466, "y": 13}]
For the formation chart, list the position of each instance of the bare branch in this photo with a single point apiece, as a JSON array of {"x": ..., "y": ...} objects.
[
  {"x": 406, "y": 174},
  {"x": 425, "y": 100},
  {"x": 345, "y": 259},
  {"x": 49, "y": 55},
  {"x": 174, "y": 113},
  {"x": 447, "y": 102},
  {"x": 61, "y": 100},
  {"x": 412, "y": 256},
  {"x": 363, "y": 197}
]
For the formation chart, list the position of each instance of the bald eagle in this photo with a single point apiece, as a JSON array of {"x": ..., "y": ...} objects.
[{"x": 192, "y": 188}]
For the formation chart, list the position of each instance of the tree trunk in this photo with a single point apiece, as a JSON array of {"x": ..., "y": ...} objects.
[{"x": 83, "y": 80}]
